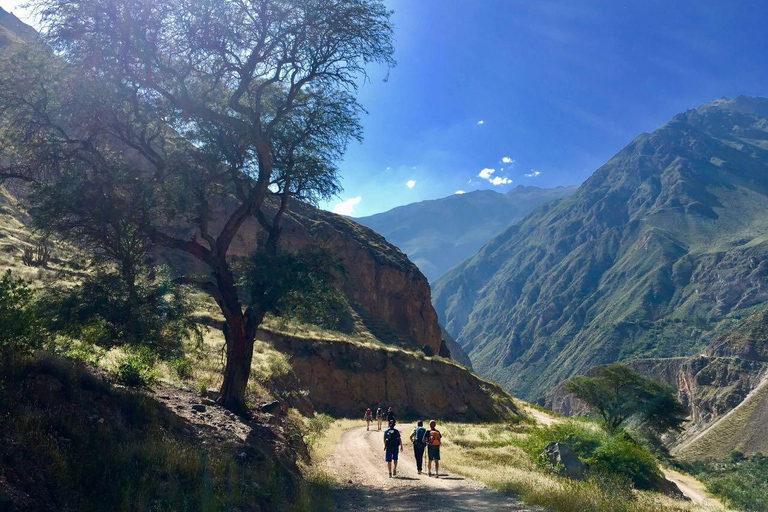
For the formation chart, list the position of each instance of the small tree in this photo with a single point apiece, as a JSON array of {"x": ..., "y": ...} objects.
[
  {"x": 215, "y": 111},
  {"x": 617, "y": 393}
]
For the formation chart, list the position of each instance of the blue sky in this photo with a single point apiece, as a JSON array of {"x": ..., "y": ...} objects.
[{"x": 559, "y": 85}]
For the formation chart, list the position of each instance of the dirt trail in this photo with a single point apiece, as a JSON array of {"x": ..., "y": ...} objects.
[
  {"x": 359, "y": 464},
  {"x": 692, "y": 488}
]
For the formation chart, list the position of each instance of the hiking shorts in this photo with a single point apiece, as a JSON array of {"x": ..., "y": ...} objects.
[
  {"x": 433, "y": 452},
  {"x": 392, "y": 454}
]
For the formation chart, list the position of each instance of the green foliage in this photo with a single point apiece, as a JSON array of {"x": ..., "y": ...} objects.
[
  {"x": 316, "y": 428},
  {"x": 622, "y": 456},
  {"x": 612, "y": 456},
  {"x": 297, "y": 284},
  {"x": 617, "y": 393},
  {"x": 137, "y": 368},
  {"x": 107, "y": 311},
  {"x": 742, "y": 483},
  {"x": 182, "y": 367},
  {"x": 21, "y": 330}
]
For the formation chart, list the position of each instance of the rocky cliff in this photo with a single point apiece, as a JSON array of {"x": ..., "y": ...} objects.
[
  {"x": 344, "y": 378},
  {"x": 388, "y": 292}
]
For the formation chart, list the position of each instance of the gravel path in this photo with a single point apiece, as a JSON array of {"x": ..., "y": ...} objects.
[{"x": 359, "y": 464}]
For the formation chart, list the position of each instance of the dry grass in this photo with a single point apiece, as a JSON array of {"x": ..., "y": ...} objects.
[{"x": 492, "y": 455}]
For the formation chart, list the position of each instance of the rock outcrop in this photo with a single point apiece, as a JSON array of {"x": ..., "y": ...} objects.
[
  {"x": 343, "y": 378},
  {"x": 565, "y": 460},
  {"x": 380, "y": 282}
]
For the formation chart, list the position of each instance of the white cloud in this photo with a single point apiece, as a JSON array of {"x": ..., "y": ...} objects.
[
  {"x": 498, "y": 180},
  {"x": 347, "y": 207},
  {"x": 411, "y": 183},
  {"x": 532, "y": 174},
  {"x": 507, "y": 160},
  {"x": 459, "y": 192},
  {"x": 481, "y": 122},
  {"x": 389, "y": 168},
  {"x": 486, "y": 173}
]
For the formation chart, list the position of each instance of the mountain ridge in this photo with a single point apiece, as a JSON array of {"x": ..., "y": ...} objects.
[
  {"x": 655, "y": 249},
  {"x": 437, "y": 234}
]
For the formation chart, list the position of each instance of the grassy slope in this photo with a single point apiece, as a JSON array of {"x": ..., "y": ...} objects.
[
  {"x": 69, "y": 440},
  {"x": 742, "y": 429}
]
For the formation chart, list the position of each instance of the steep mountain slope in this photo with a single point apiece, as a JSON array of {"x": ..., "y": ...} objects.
[
  {"x": 439, "y": 234},
  {"x": 13, "y": 31},
  {"x": 652, "y": 255}
]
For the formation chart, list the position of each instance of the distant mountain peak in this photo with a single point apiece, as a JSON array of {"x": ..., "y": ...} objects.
[
  {"x": 752, "y": 105},
  {"x": 439, "y": 233}
]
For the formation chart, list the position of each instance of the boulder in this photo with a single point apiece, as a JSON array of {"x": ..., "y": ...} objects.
[
  {"x": 270, "y": 408},
  {"x": 562, "y": 457}
]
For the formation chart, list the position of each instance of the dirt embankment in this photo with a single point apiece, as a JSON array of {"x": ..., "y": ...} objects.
[{"x": 344, "y": 378}]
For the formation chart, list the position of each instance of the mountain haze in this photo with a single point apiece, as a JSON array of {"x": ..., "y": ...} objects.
[
  {"x": 440, "y": 233},
  {"x": 662, "y": 247}
]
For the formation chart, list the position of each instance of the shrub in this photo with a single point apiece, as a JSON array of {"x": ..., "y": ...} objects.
[
  {"x": 103, "y": 310},
  {"x": 21, "y": 330},
  {"x": 621, "y": 456},
  {"x": 182, "y": 367},
  {"x": 316, "y": 427},
  {"x": 138, "y": 368},
  {"x": 612, "y": 456}
]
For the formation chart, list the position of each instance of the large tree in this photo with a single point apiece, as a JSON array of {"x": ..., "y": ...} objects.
[
  {"x": 204, "y": 113},
  {"x": 617, "y": 394}
]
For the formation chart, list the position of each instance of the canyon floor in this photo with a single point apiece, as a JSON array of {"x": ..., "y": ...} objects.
[{"x": 358, "y": 461}]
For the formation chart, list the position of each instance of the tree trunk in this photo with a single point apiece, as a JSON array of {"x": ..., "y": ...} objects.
[
  {"x": 238, "y": 368},
  {"x": 240, "y": 334}
]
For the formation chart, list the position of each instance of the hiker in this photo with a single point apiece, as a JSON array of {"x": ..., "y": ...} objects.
[
  {"x": 392, "y": 441},
  {"x": 418, "y": 438},
  {"x": 379, "y": 416},
  {"x": 368, "y": 418},
  {"x": 390, "y": 415},
  {"x": 433, "y": 448}
]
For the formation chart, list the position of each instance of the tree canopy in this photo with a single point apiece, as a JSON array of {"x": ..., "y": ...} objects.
[
  {"x": 169, "y": 123},
  {"x": 617, "y": 394}
]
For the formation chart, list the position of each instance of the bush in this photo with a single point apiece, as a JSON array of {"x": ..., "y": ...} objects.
[
  {"x": 105, "y": 312},
  {"x": 617, "y": 457},
  {"x": 621, "y": 456},
  {"x": 21, "y": 331},
  {"x": 182, "y": 367},
  {"x": 138, "y": 368},
  {"x": 316, "y": 427}
]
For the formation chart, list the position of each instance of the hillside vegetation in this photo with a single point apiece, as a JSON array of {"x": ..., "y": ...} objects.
[{"x": 662, "y": 248}]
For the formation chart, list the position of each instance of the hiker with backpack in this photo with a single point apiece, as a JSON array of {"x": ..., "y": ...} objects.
[
  {"x": 390, "y": 415},
  {"x": 392, "y": 442},
  {"x": 368, "y": 418},
  {"x": 418, "y": 438},
  {"x": 379, "y": 416},
  {"x": 434, "y": 437}
]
